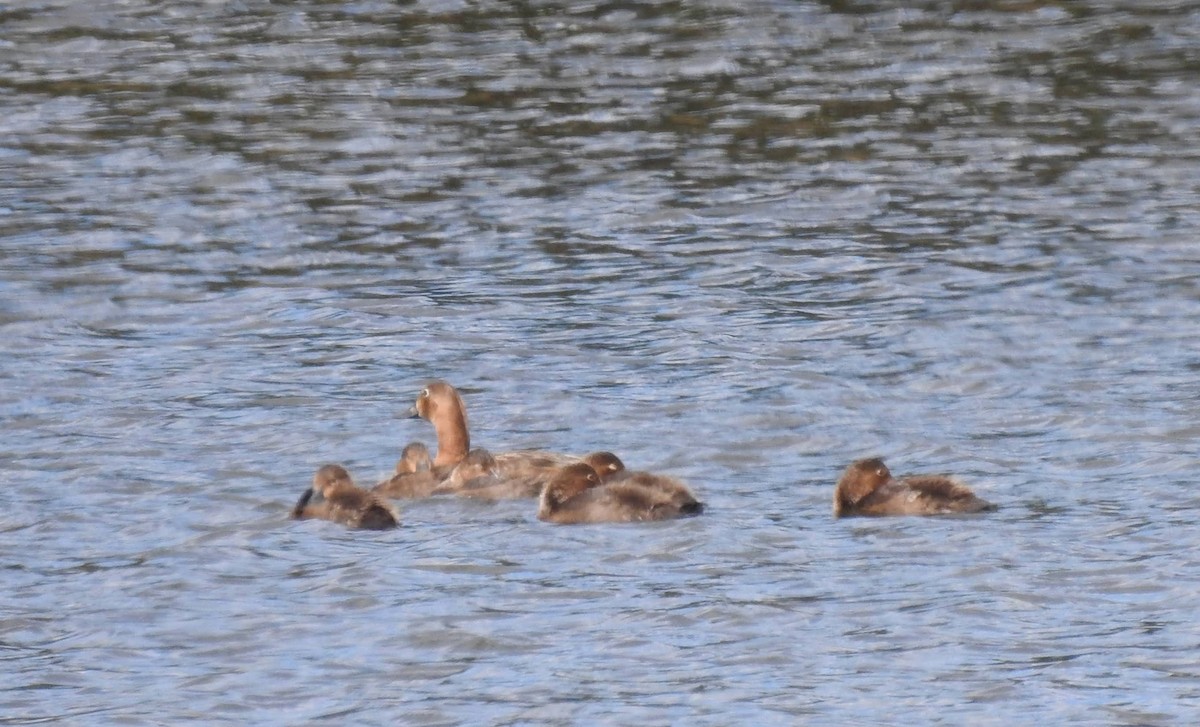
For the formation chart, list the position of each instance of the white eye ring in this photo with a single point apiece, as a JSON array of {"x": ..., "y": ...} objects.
[{"x": 424, "y": 393}]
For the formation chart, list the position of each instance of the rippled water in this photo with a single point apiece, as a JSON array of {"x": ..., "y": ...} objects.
[{"x": 743, "y": 243}]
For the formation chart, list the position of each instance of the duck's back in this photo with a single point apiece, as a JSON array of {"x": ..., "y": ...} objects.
[
  {"x": 621, "y": 502},
  {"x": 488, "y": 486},
  {"x": 676, "y": 492},
  {"x": 947, "y": 494},
  {"x": 523, "y": 473},
  {"x": 360, "y": 509},
  {"x": 923, "y": 495},
  {"x": 409, "y": 484}
]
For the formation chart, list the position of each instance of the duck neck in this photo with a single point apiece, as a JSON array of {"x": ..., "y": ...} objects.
[{"x": 452, "y": 437}]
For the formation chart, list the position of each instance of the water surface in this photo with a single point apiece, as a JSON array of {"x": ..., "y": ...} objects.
[{"x": 740, "y": 243}]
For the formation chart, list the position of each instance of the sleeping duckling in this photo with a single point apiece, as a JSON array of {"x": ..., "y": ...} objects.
[
  {"x": 611, "y": 469},
  {"x": 576, "y": 495},
  {"x": 868, "y": 488}
]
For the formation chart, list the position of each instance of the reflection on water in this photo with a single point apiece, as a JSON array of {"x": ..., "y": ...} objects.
[{"x": 742, "y": 245}]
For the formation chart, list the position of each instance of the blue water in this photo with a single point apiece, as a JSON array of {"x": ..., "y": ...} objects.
[{"x": 740, "y": 245}]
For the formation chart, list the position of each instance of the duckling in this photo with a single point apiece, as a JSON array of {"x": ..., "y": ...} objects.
[
  {"x": 576, "y": 495},
  {"x": 414, "y": 476},
  {"x": 345, "y": 503},
  {"x": 414, "y": 458},
  {"x": 606, "y": 464},
  {"x": 868, "y": 488},
  {"x": 474, "y": 476},
  {"x": 611, "y": 469},
  {"x": 525, "y": 471}
]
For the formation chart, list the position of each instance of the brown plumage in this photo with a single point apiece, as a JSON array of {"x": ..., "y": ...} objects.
[
  {"x": 606, "y": 464},
  {"x": 611, "y": 469},
  {"x": 506, "y": 476},
  {"x": 343, "y": 502},
  {"x": 414, "y": 458},
  {"x": 440, "y": 405},
  {"x": 576, "y": 495},
  {"x": 525, "y": 472},
  {"x": 868, "y": 488},
  {"x": 414, "y": 475},
  {"x": 472, "y": 477}
]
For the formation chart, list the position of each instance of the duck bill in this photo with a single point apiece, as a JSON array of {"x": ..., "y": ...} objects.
[
  {"x": 412, "y": 413},
  {"x": 298, "y": 510}
]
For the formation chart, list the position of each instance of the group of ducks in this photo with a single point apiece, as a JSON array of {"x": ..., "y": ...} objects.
[
  {"x": 590, "y": 489},
  {"x": 594, "y": 488}
]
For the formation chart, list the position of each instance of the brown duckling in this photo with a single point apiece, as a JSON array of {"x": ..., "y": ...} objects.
[
  {"x": 525, "y": 471},
  {"x": 606, "y": 464},
  {"x": 414, "y": 475},
  {"x": 868, "y": 488},
  {"x": 345, "y": 503},
  {"x": 611, "y": 469},
  {"x": 414, "y": 458},
  {"x": 476, "y": 476},
  {"x": 576, "y": 495}
]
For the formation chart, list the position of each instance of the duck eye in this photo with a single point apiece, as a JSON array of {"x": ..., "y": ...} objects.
[{"x": 424, "y": 393}]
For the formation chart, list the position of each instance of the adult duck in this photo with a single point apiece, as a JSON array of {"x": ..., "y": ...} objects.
[{"x": 527, "y": 471}]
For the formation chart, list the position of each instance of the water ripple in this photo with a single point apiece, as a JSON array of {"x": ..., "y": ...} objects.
[{"x": 744, "y": 247}]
